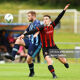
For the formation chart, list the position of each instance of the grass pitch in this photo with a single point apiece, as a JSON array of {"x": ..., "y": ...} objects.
[{"x": 19, "y": 71}]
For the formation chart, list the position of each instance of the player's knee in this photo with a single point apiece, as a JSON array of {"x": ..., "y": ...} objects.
[
  {"x": 49, "y": 60},
  {"x": 28, "y": 61},
  {"x": 18, "y": 41}
]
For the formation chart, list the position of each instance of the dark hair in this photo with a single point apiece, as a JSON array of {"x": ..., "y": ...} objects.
[
  {"x": 47, "y": 16},
  {"x": 33, "y": 13}
]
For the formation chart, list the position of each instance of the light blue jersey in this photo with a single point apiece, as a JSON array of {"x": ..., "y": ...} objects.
[{"x": 32, "y": 26}]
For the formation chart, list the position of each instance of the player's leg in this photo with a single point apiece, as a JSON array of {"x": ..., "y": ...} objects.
[
  {"x": 30, "y": 60},
  {"x": 31, "y": 65},
  {"x": 50, "y": 63},
  {"x": 23, "y": 54},
  {"x": 16, "y": 46},
  {"x": 50, "y": 66},
  {"x": 15, "y": 49},
  {"x": 63, "y": 61},
  {"x": 32, "y": 52},
  {"x": 61, "y": 58}
]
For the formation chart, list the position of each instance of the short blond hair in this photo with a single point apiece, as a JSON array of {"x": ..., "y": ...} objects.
[{"x": 33, "y": 13}]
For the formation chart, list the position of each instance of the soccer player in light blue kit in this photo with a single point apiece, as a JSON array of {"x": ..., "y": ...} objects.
[{"x": 31, "y": 42}]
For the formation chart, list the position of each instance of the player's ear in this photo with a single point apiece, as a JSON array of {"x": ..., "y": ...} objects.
[{"x": 50, "y": 20}]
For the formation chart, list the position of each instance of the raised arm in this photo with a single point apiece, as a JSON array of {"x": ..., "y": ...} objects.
[{"x": 56, "y": 21}]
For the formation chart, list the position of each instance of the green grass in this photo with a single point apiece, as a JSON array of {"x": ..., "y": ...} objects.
[
  {"x": 66, "y": 37},
  {"x": 19, "y": 71}
]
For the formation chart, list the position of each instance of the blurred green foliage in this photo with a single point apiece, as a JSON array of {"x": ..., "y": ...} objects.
[{"x": 44, "y": 2}]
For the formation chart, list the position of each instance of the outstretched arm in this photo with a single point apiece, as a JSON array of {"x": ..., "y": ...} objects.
[
  {"x": 28, "y": 33},
  {"x": 56, "y": 21},
  {"x": 34, "y": 30},
  {"x": 36, "y": 34},
  {"x": 31, "y": 32}
]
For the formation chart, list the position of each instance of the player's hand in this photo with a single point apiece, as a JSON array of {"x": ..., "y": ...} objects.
[
  {"x": 66, "y": 6},
  {"x": 21, "y": 37},
  {"x": 36, "y": 34}
]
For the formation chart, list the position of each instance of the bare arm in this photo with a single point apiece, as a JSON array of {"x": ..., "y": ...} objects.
[{"x": 36, "y": 34}]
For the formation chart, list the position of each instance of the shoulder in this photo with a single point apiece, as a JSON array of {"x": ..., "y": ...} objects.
[
  {"x": 37, "y": 20},
  {"x": 36, "y": 23},
  {"x": 29, "y": 25}
]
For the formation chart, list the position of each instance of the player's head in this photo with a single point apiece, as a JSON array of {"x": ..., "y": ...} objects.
[
  {"x": 31, "y": 16},
  {"x": 47, "y": 20}
]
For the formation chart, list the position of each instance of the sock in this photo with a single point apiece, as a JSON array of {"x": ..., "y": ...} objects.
[
  {"x": 21, "y": 57},
  {"x": 25, "y": 58},
  {"x": 31, "y": 67},
  {"x": 15, "y": 50},
  {"x": 66, "y": 65},
  {"x": 51, "y": 69}
]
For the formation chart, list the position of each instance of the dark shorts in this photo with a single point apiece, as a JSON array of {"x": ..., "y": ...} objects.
[
  {"x": 51, "y": 51},
  {"x": 27, "y": 42},
  {"x": 33, "y": 49}
]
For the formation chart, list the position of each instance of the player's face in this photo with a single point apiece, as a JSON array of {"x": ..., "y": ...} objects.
[
  {"x": 30, "y": 17},
  {"x": 46, "y": 21}
]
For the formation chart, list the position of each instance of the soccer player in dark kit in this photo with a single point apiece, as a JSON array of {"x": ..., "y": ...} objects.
[
  {"x": 46, "y": 34},
  {"x": 31, "y": 42}
]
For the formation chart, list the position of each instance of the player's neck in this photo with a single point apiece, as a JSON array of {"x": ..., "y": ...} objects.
[
  {"x": 34, "y": 19},
  {"x": 48, "y": 24}
]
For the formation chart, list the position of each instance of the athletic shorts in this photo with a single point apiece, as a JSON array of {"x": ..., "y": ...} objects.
[
  {"x": 51, "y": 51},
  {"x": 33, "y": 49}
]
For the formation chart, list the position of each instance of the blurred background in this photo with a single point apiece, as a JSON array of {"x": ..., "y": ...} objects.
[
  {"x": 67, "y": 32},
  {"x": 66, "y": 36}
]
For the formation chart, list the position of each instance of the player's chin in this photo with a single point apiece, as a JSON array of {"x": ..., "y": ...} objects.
[
  {"x": 30, "y": 20},
  {"x": 45, "y": 23}
]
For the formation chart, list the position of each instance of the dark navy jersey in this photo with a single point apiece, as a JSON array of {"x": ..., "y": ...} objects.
[{"x": 32, "y": 26}]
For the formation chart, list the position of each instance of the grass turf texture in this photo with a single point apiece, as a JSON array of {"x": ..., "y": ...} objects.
[
  {"x": 66, "y": 37},
  {"x": 11, "y": 71}
]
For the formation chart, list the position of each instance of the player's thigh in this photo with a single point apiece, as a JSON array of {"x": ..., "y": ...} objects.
[
  {"x": 31, "y": 49},
  {"x": 62, "y": 59},
  {"x": 20, "y": 41},
  {"x": 45, "y": 52},
  {"x": 36, "y": 51},
  {"x": 47, "y": 56},
  {"x": 27, "y": 42},
  {"x": 56, "y": 52}
]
